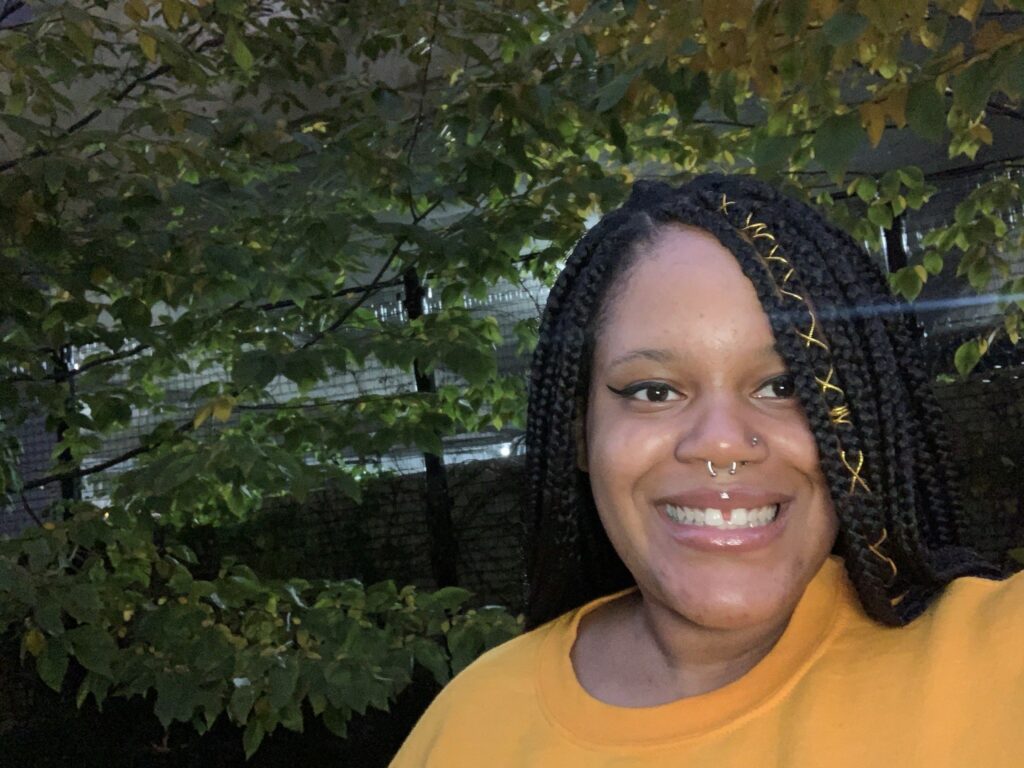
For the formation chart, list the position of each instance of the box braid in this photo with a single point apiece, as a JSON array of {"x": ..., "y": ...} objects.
[{"x": 852, "y": 352}]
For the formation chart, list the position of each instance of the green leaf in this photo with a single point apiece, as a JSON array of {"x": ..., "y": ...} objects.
[
  {"x": 283, "y": 678},
  {"x": 176, "y": 696},
  {"x": 967, "y": 356},
  {"x": 867, "y": 189},
  {"x": 240, "y": 703},
  {"x": 772, "y": 154},
  {"x": 793, "y": 14},
  {"x": 52, "y": 664},
  {"x": 243, "y": 58},
  {"x": 836, "y": 141},
  {"x": 933, "y": 262},
  {"x": 1012, "y": 82},
  {"x": 304, "y": 367},
  {"x": 253, "y": 737},
  {"x": 464, "y": 644},
  {"x": 979, "y": 273},
  {"x": 336, "y": 719},
  {"x": 844, "y": 27},
  {"x": 430, "y": 655},
  {"x": 906, "y": 282},
  {"x": 450, "y": 598},
  {"x": 93, "y": 648},
  {"x": 611, "y": 94},
  {"x": 880, "y": 214},
  {"x": 926, "y": 111},
  {"x": 691, "y": 94},
  {"x": 255, "y": 369},
  {"x": 973, "y": 87}
]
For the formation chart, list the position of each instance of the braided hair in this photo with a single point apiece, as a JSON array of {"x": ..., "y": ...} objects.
[{"x": 852, "y": 352}]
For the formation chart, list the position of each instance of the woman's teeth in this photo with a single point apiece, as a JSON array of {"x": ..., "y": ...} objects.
[{"x": 736, "y": 518}]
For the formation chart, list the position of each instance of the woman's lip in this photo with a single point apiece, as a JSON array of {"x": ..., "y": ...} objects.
[
  {"x": 711, "y": 539},
  {"x": 725, "y": 498}
]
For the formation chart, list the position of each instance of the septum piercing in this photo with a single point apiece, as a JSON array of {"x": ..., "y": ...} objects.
[{"x": 711, "y": 468}]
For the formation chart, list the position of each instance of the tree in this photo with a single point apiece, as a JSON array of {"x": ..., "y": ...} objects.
[{"x": 227, "y": 186}]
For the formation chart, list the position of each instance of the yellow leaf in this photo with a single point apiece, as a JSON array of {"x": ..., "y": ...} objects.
[
  {"x": 872, "y": 117},
  {"x": 148, "y": 45},
  {"x": 172, "y": 12},
  {"x": 137, "y": 10},
  {"x": 607, "y": 44},
  {"x": 717, "y": 13},
  {"x": 578, "y": 6},
  {"x": 896, "y": 106},
  {"x": 35, "y": 642},
  {"x": 1012, "y": 323},
  {"x": 222, "y": 408},
  {"x": 127, "y": 614},
  {"x": 202, "y": 415},
  {"x": 25, "y": 213},
  {"x": 48, "y": 526},
  {"x": 969, "y": 10},
  {"x": 929, "y": 39},
  {"x": 989, "y": 36},
  {"x": 980, "y": 132}
]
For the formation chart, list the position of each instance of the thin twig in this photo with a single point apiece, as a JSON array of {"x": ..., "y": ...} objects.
[
  {"x": 29, "y": 510},
  {"x": 423, "y": 85},
  {"x": 120, "y": 96},
  {"x": 319, "y": 335}
]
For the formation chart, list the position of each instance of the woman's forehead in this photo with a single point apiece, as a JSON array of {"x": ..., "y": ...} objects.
[{"x": 686, "y": 293}]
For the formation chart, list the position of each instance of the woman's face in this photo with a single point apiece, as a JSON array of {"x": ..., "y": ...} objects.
[{"x": 684, "y": 373}]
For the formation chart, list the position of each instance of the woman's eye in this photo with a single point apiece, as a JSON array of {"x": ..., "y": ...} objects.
[
  {"x": 647, "y": 391},
  {"x": 781, "y": 388}
]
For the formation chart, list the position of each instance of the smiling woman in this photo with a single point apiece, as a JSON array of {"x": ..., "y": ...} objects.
[{"x": 739, "y": 488}]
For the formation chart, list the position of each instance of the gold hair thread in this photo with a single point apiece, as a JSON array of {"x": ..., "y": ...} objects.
[
  {"x": 887, "y": 560},
  {"x": 855, "y": 477}
]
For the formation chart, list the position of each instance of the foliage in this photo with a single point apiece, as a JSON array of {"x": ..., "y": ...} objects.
[
  {"x": 224, "y": 188},
  {"x": 138, "y": 620}
]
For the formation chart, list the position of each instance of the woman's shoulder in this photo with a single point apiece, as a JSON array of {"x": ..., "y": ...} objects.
[
  {"x": 462, "y": 717},
  {"x": 507, "y": 669},
  {"x": 987, "y": 603}
]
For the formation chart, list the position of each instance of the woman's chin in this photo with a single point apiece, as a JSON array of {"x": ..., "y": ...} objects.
[{"x": 729, "y": 601}]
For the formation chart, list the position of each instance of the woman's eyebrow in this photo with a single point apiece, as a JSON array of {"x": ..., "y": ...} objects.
[
  {"x": 666, "y": 356},
  {"x": 769, "y": 350},
  {"x": 645, "y": 353}
]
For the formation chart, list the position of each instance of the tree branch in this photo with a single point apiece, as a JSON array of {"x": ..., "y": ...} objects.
[
  {"x": 1004, "y": 110},
  {"x": 102, "y": 466},
  {"x": 374, "y": 285},
  {"x": 117, "y": 99},
  {"x": 10, "y": 9}
]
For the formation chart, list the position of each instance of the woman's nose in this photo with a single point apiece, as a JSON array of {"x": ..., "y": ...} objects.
[{"x": 720, "y": 432}]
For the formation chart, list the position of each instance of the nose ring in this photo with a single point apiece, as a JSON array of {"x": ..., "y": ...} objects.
[{"x": 711, "y": 468}]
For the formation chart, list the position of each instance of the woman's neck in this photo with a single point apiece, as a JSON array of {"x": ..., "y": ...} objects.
[{"x": 634, "y": 652}]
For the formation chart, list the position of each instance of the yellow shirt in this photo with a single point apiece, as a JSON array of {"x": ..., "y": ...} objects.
[{"x": 837, "y": 691}]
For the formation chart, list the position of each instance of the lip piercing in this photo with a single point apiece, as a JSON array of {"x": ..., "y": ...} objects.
[{"x": 711, "y": 468}]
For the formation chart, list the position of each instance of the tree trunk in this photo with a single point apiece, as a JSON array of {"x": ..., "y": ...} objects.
[{"x": 444, "y": 548}]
